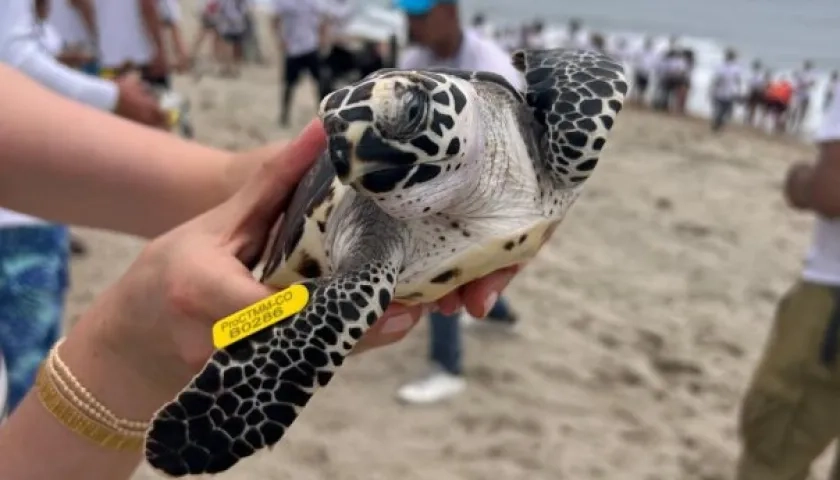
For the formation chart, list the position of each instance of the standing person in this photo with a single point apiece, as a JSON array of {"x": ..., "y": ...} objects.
[
  {"x": 804, "y": 81},
  {"x": 340, "y": 59},
  {"x": 75, "y": 23},
  {"x": 298, "y": 28},
  {"x": 644, "y": 63},
  {"x": 725, "y": 89},
  {"x": 131, "y": 38},
  {"x": 170, "y": 19},
  {"x": 441, "y": 42},
  {"x": 231, "y": 22},
  {"x": 207, "y": 10},
  {"x": 251, "y": 50},
  {"x": 756, "y": 85},
  {"x": 34, "y": 252},
  {"x": 789, "y": 413},
  {"x": 777, "y": 102}
]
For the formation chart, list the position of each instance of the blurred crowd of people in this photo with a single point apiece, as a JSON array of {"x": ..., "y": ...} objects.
[{"x": 661, "y": 77}]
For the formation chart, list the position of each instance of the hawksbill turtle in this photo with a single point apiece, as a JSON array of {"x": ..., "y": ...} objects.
[{"x": 431, "y": 178}]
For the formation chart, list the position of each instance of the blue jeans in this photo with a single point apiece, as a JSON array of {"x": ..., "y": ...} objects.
[
  {"x": 445, "y": 331},
  {"x": 34, "y": 272}
]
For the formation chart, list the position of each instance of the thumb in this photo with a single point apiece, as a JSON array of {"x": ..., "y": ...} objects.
[{"x": 250, "y": 212}]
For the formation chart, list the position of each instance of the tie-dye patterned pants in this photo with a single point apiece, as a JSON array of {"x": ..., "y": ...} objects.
[{"x": 34, "y": 261}]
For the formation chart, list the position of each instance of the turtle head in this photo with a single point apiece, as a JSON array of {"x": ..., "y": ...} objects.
[{"x": 396, "y": 135}]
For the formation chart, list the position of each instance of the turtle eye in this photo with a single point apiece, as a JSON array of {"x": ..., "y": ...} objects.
[{"x": 415, "y": 111}]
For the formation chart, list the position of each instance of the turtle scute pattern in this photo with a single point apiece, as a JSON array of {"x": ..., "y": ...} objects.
[
  {"x": 576, "y": 95},
  {"x": 249, "y": 393}
]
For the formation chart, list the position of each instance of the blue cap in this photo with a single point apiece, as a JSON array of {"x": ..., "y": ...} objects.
[{"x": 418, "y": 7}]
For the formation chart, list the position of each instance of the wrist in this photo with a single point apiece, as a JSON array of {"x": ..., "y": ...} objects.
[{"x": 109, "y": 377}]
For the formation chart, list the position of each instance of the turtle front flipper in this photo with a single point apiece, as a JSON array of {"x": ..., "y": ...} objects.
[
  {"x": 250, "y": 393},
  {"x": 575, "y": 97}
]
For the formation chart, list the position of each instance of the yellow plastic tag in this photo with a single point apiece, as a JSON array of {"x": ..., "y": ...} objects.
[{"x": 260, "y": 315}]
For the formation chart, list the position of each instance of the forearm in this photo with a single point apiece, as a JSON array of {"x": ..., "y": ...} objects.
[
  {"x": 73, "y": 164},
  {"x": 32, "y": 432},
  {"x": 152, "y": 23},
  {"x": 23, "y": 53}
]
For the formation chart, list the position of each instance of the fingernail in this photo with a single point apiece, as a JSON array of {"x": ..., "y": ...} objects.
[
  {"x": 398, "y": 324},
  {"x": 489, "y": 302}
]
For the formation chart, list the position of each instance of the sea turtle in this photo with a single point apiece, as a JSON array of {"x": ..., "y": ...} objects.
[{"x": 431, "y": 179}]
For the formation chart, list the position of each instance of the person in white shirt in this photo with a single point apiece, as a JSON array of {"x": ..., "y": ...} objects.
[
  {"x": 804, "y": 81},
  {"x": 644, "y": 63},
  {"x": 298, "y": 26},
  {"x": 757, "y": 82},
  {"x": 674, "y": 78},
  {"x": 789, "y": 413},
  {"x": 20, "y": 48},
  {"x": 131, "y": 38},
  {"x": 75, "y": 23},
  {"x": 231, "y": 21},
  {"x": 725, "y": 90},
  {"x": 440, "y": 41}
]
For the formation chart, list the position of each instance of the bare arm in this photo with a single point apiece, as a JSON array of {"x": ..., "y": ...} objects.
[
  {"x": 121, "y": 176},
  {"x": 152, "y": 23},
  {"x": 85, "y": 9},
  {"x": 814, "y": 186}
]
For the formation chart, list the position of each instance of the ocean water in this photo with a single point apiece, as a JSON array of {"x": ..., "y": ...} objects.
[{"x": 782, "y": 33}]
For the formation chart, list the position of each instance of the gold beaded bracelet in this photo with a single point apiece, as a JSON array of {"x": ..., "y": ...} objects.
[{"x": 77, "y": 409}]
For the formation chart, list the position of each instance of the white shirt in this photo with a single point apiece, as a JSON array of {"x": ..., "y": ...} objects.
[
  {"x": 169, "y": 11},
  {"x": 476, "y": 53},
  {"x": 339, "y": 13},
  {"x": 726, "y": 82},
  {"x": 673, "y": 65},
  {"x": 21, "y": 49},
  {"x": 301, "y": 20},
  {"x": 645, "y": 61},
  {"x": 122, "y": 34},
  {"x": 803, "y": 83},
  {"x": 231, "y": 17},
  {"x": 69, "y": 24},
  {"x": 822, "y": 264}
]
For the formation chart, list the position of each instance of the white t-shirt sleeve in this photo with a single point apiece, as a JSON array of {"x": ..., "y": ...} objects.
[
  {"x": 829, "y": 130},
  {"x": 20, "y": 48}
]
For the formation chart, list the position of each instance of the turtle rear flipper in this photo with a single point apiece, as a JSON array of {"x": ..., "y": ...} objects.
[
  {"x": 250, "y": 393},
  {"x": 574, "y": 96}
]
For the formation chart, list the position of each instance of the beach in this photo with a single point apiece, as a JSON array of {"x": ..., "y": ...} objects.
[{"x": 641, "y": 319}]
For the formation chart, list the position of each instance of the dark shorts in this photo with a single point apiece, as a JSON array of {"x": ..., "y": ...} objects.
[
  {"x": 671, "y": 83},
  {"x": 155, "y": 80},
  {"x": 295, "y": 66},
  {"x": 641, "y": 82},
  {"x": 207, "y": 22},
  {"x": 755, "y": 98},
  {"x": 234, "y": 38},
  {"x": 776, "y": 106}
]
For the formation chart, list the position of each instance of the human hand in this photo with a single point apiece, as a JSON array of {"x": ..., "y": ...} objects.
[
  {"x": 159, "y": 66},
  {"x": 795, "y": 188},
  {"x": 137, "y": 103}
]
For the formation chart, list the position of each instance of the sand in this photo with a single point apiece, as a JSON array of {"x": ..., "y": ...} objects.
[{"x": 641, "y": 319}]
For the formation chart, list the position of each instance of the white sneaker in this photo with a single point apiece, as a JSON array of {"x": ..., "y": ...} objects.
[
  {"x": 436, "y": 386},
  {"x": 468, "y": 322}
]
